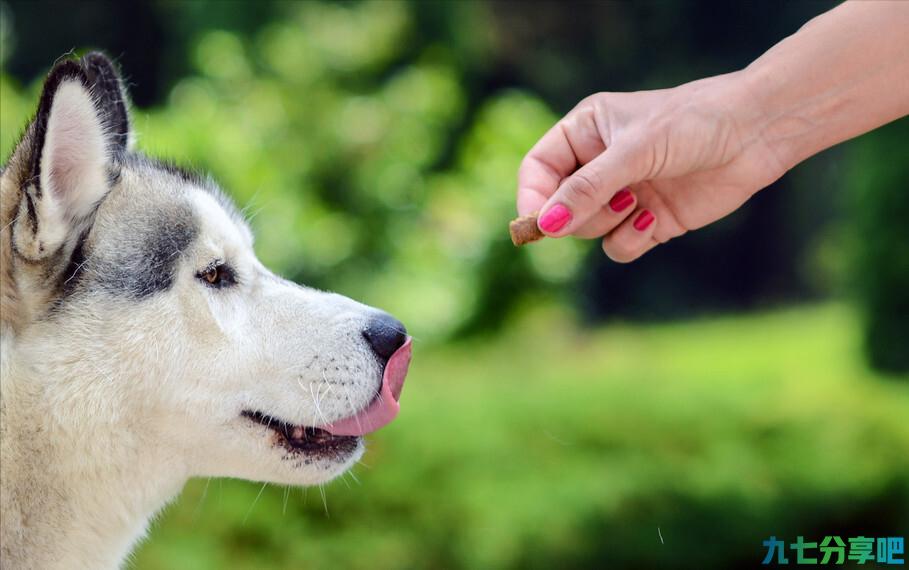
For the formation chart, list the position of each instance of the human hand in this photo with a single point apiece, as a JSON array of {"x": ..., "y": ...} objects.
[{"x": 642, "y": 168}]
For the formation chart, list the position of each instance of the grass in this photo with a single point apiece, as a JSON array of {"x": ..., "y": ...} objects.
[{"x": 552, "y": 446}]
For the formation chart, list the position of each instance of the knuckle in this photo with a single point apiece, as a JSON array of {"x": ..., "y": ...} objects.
[
  {"x": 586, "y": 102},
  {"x": 528, "y": 161},
  {"x": 527, "y": 167},
  {"x": 583, "y": 187},
  {"x": 593, "y": 100}
]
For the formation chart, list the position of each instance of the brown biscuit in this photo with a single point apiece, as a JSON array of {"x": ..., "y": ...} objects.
[{"x": 524, "y": 230}]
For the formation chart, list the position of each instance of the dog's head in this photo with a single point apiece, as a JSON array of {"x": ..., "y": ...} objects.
[{"x": 135, "y": 300}]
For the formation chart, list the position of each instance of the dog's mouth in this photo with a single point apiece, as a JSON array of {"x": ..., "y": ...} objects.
[
  {"x": 304, "y": 439},
  {"x": 343, "y": 436},
  {"x": 385, "y": 406}
]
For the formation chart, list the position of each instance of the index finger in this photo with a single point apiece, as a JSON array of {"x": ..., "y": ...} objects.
[
  {"x": 542, "y": 170},
  {"x": 570, "y": 143}
]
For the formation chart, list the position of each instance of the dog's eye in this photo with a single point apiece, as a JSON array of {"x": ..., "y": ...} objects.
[{"x": 217, "y": 275}]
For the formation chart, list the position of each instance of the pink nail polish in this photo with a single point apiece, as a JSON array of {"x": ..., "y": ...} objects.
[
  {"x": 622, "y": 199},
  {"x": 555, "y": 219},
  {"x": 643, "y": 221}
]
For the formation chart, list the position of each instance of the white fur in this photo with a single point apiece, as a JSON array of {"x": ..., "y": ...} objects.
[{"x": 110, "y": 404}]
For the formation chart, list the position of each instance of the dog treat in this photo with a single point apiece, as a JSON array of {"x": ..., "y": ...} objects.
[{"x": 524, "y": 230}]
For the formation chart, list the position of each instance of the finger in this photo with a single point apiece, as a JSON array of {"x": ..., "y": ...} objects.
[
  {"x": 585, "y": 192},
  {"x": 632, "y": 238},
  {"x": 572, "y": 142},
  {"x": 620, "y": 206}
]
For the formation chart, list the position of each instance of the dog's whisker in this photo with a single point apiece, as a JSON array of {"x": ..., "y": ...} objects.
[
  {"x": 11, "y": 222},
  {"x": 316, "y": 402},
  {"x": 198, "y": 508},
  {"x": 78, "y": 268},
  {"x": 252, "y": 216},
  {"x": 251, "y": 201},
  {"x": 353, "y": 409},
  {"x": 324, "y": 499},
  {"x": 256, "y": 500}
]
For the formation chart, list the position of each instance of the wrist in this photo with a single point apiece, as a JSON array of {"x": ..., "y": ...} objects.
[
  {"x": 841, "y": 75},
  {"x": 768, "y": 126},
  {"x": 738, "y": 99}
]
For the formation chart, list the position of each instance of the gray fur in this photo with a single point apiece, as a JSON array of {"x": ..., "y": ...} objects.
[
  {"x": 148, "y": 242},
  {"x": 149, "y": 266},
  {"x": 124, "y": 373}
]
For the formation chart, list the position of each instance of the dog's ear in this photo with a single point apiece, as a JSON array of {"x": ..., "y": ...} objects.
[
  {"x": 110, "y": 98},
  {"x": 79, "y": 133}
]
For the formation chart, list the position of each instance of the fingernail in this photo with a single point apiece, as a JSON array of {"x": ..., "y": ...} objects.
[
  {"x": 555, "y": 219},
  {"x": 644, "y": 220},
  {"x": 621, "y": 200}
]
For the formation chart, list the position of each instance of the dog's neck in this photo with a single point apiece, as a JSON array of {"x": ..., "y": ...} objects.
[{"x": 72, "y": 496}]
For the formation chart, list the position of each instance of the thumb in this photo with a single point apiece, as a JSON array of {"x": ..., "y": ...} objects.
[{"x": 588, "y": 189}]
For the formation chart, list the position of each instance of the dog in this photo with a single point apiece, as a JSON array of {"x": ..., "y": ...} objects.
[{"x": 143, "y": 343}]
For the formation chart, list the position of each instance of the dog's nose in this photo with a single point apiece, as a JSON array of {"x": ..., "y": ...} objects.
[{"x": 385, "y": 334}]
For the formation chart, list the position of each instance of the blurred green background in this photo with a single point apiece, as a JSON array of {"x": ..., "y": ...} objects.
[{"x": 562, "y": 410}]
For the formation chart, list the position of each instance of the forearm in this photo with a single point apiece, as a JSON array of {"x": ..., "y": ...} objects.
[{"x": 841, "y": 75}]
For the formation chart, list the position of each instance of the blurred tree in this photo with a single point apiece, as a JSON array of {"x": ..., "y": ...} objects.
[
  {"x": 375, "y": 144},
  {"x": 879, "y": 200},
  {"x": 381, "y": 139},
  {"x": 150, "y": 39}
]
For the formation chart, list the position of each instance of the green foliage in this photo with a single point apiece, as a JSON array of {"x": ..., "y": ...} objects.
[
  {"x": 371, "y": 163},
  {"x": 361, "y": 175},
  {"x": 880, "y": 207},
  {"x": 16, "y": 109},
  {"x": 585, "y": 448}
]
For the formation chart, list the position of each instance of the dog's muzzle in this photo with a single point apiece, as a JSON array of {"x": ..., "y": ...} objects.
[{"x": 388, "y": 339}]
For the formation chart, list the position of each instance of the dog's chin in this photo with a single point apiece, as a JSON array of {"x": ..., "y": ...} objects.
[{"x": 308, "y": 455}]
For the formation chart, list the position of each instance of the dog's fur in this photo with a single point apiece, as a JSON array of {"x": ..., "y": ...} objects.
[{"x": 124, "y": 371}]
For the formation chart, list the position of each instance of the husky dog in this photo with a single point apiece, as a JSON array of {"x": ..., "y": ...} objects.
[{"x": 143, "y": 343}]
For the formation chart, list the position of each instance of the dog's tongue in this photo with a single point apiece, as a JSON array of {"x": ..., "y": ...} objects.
[{"x": 385, "y": 407}]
